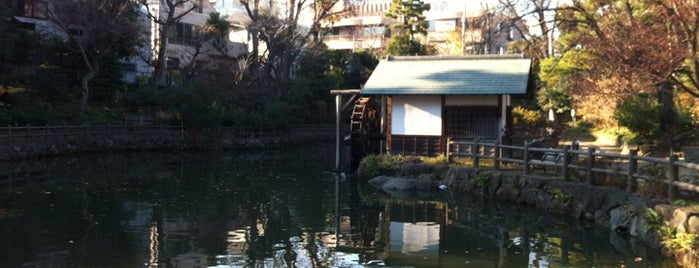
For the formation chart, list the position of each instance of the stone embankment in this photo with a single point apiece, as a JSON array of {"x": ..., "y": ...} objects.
[
  {"x": 29, "y": 148},
  {"x": 618, "y": 210}
]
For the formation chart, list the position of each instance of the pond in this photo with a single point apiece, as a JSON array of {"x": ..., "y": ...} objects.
[{"x": 271, "y": 209}]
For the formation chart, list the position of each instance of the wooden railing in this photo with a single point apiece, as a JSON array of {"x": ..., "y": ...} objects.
[
  {"x": 19, "y": 135},
  {"x": 566, "y": 160}
]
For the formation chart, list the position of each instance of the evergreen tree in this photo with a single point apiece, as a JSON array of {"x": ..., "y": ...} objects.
[{"x": 410, "y": 17}]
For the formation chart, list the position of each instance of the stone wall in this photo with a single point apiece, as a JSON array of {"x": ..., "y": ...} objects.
[
  {"x": 152, "y": 142},
  {"x": 619, "y": 211}
]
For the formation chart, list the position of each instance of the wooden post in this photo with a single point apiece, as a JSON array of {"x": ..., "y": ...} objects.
[
  {"x": 338, "y": 114},
  {"x": 448, "y": 150},
  {"x": 633, "y": 168},
  {"x": 498, "y": 153},
  {"x": 474, "y": 151},
  {"x": 590, "y": 164},
  {"x": 566, "y": 162},
  {"x": 674, "y": 174},
  {"x": 525, "y": 157},
  {"x": 48, "y": 132}
]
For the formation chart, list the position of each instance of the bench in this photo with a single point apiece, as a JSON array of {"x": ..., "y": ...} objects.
[{"x": 549, "y": 161}]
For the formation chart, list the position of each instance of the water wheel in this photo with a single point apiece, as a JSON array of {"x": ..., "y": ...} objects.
[{"x": 365, "y": 127}]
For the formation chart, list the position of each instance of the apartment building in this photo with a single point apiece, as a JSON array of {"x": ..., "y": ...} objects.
[
  {"x": 455, "y": 27},
  {"x": 186, "y": 47}
]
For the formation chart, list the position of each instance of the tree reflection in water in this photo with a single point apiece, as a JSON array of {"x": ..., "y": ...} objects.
[{"x": 281, "y": 209}]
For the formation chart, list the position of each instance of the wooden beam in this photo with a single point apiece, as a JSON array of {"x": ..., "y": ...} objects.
[{"x": 345, "y": 91}]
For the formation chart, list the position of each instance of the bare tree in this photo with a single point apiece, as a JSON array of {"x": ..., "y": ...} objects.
[
  {"x": 539, "y": 14},
  {"x": 96, "y": 29},
  {"x": 166, "y": 14},
  {"x": 283, "y": 36}
]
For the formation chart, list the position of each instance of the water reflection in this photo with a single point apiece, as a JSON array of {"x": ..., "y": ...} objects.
[{"x": 281, "y": 209}]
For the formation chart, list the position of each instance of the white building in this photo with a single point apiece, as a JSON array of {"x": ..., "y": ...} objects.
[
  {"x": 455, "y": 27},
  {"x": 185, "y": 47}
]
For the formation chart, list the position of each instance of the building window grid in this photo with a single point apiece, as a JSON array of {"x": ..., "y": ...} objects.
[
  {"x": 183, "y": 34},
  {"x": 32, "y": 9}
]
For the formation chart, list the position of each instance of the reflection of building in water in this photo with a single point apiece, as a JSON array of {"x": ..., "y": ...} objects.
[
  {"x": 418, "y": 242},
  {"x": 414, "y": 232}
]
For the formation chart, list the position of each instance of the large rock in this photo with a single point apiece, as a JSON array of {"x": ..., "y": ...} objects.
[
  {"x": 620, "y": 219},
  {"x": 413, "y": 170},
  {"x": 379, "y": 181},
  {"x": 425, "y": 182},
  {"x": 399, "y": 184},
  {"x": 457, "y": 175},
  {"x": 693, "y": 224}
]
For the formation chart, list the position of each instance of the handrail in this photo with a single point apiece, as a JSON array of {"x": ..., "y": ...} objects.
[
  {"x": 34, "y": 131},
  {"x": 524, "y": 157}
]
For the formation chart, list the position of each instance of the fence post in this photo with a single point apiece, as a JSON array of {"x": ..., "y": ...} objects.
[
  {"x": 633, "y": 168},
  {"x": 674, "y": 174},
  {"x": 498, "y": 153},
  {"x": 590, "y": 164},
  {"x": 566, "y": 162},
  {"x": 474, "y": 150},
  {"x": 525, "y": 158},
  {"x": 448, "y": 150}
]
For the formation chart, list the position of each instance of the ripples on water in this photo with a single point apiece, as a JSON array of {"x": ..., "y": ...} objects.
[{"x": 270, "y": 209}]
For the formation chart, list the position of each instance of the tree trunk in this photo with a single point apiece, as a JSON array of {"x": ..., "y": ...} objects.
[
  {"x": 667, "y": 111},
  {"x": 85, "y": 90},
  {"x": 161, "y": 66}
]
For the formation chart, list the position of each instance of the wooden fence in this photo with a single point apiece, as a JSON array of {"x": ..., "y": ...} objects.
[
  {"x": 13, "y": 138},
  {"x": 568, "y": 159}
]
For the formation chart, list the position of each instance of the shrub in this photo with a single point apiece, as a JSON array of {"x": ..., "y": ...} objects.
[
  {"x": 437, "y": 160},
  {"x": 526, "y": 118},
  {"x": 640, "y": 115},
  {"x": 374, "y": 165}
]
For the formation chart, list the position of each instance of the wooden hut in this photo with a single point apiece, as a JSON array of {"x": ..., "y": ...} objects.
[{"x": 424, "y": 100}]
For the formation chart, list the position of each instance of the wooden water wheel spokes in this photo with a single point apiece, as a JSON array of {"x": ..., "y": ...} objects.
[{"x": 365, "y": 126}]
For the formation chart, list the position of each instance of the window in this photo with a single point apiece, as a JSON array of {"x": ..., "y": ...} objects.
[
  {"x": 75, "y": 31},
  {"x": 173, "y": 63},
  {"x": 28, "y": 26},
  {"x": 128, "y": 67},
  {"x": 374, "y": 30},
  {"x": 200, "y": 6},
  {"x": 183, "y": 34},
  {"x": 31, "y": 9}
]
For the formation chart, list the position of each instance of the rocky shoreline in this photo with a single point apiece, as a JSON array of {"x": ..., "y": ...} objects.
[{"x": 617, "y": 210}]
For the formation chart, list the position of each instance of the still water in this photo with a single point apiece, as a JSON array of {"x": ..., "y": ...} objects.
[{"x": 271, "y": 209}]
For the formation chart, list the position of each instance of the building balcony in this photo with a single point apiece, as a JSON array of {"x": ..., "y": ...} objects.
[{"x": 353, "y": 42}]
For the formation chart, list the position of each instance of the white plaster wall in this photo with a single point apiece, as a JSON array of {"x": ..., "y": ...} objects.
[
  {"x": 484, "y": 100},
  {"x": 416, "y": 115}
]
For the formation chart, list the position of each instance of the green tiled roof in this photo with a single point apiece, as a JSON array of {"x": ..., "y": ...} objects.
[{"x": 449, "y": 76}]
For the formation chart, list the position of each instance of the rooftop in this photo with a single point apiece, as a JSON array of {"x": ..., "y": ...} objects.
[{"x": 442, "y": 75}]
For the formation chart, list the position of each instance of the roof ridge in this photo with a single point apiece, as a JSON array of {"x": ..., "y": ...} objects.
[{"x": 467, "y": 57}]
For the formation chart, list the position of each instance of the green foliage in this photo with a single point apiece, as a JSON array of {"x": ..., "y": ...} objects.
[
  {"x": 680, "y": 202},
  {"x": 403, "y": 45},
  {"x": 375, "y": 165},
  {"x": 555, "y": 93},
  {"x": 654, "y": 219},
  {"x": 680, "y": 242},
  {"x": 479, "y": 180},
  {"x": 437, "y": 160},
  {"x": 640, "y": 115},
  {"x": 558, "y": 194},
  {"x": 107, "y": 83},
  {"x": 530, "y": 119},
  {"x": 216, "y": 31},
  {"x": 411, "y": 14}
]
